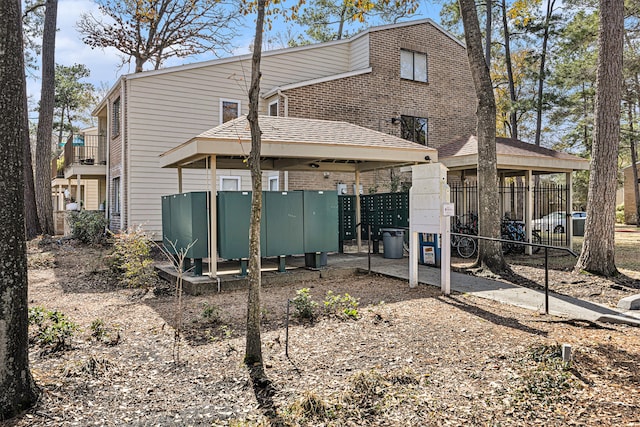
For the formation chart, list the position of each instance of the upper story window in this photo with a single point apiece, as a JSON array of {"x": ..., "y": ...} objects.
[
  {"x": 414, "y": 129},
  {"x": 229, "y": 110},
  {"x": 413, "y": 65},
  {"x": 115, "y": 118},
  {"x": 273, "y": 109}
]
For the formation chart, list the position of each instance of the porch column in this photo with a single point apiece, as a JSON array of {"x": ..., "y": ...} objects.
[
  {"x": 359, "y": 227},
  {"x": 569, "y": 209},
  {"x": 60, "y": 198},
  {"x": 78, "y": 192},
  {"x": 180, "y": 179},
  {"x": 213, "y": 219},
  {"x": 528, "y": 208}
]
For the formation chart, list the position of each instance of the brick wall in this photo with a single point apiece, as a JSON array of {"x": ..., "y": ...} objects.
[
  {"x": 448, "y": 99},
  {"x": 370, "y": 100}
]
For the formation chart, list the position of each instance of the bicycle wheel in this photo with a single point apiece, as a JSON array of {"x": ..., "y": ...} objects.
[{"x": 466, "y": 247}]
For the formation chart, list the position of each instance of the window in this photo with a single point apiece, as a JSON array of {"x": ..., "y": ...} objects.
[
  {"x": 229, "y": 183},
  {"x": 413, "y": 65},
  {"x": 274, "y": 183},
  {"x": 229, "y": 110},
  {"x": 115, "y": 118},
  {"x": 414, "y": 129},
  {"x": 273, "y": 109},
  {"x": 116, "y": 195}
]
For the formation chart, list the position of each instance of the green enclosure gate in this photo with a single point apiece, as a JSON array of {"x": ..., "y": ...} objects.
[{"x": 292, "y": 223}]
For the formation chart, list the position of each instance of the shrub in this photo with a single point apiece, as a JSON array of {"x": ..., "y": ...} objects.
[
  {"x": 303, "y": 306},
  {"x": 87, "y": 226},
  {"x": 620, "y": 219},
  {"x": 131, "y": 258},
  {"x": 52, "y": 328},
  {"x": 210, "y": 313},
  {"x": 344, "y": 306}
]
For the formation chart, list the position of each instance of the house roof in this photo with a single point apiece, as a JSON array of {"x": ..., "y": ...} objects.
[
  {"x": 290, "y": 143},
  {"x": 462, "y": 153}
]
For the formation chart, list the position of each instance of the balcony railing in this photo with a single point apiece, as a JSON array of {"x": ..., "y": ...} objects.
[
  {"x": 55, "y": 172},
  {"x": 85, "y": 150}
]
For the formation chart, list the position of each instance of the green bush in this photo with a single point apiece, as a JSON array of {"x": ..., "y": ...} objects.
[
  {"x": 87, "y": 226},
  {"x": 52, "y": 328},
  {"x": 303, "y": 306},
  {"x": 131, "y": 258},
  {"x": 620, "y": 219},
  {"x": 210, "y": 313},
  {"x": 344, "y": 306}
]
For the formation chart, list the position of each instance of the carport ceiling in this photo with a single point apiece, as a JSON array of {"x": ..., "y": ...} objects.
[{"x": 290, "y": 143}]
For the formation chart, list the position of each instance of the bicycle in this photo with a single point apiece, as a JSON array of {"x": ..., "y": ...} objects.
[
  {"x": 464, "y": 245},
  {"x": 515, "y": 232}
]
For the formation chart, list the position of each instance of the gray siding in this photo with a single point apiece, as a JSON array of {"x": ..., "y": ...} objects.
[{"x": 360, "y": 53}]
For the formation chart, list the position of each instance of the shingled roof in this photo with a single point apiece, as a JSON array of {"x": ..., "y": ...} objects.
[
  {"x": 300, "y": 141},
  {"x": 511, "y": 153}
]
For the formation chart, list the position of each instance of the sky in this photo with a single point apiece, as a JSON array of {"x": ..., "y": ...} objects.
[{"x": 105, "y": 65}]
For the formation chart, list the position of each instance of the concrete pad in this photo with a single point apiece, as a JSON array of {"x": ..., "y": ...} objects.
[{"x": 631, "y": 302}]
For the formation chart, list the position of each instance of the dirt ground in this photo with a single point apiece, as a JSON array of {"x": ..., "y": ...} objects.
[{"x": 413, "y": 358}]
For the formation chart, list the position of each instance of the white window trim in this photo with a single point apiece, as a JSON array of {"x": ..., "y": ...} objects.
[
  {"x": 231, "y": 178},
  {"x": 236, "y": 101},
  {"x": 276, "y": 179},
  {"x": 276, "y": 102}
]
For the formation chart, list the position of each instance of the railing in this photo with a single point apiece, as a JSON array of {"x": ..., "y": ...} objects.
[
  {"x": 85, "y": 150},
  {"x": 535, "y": 245},
  {"x": 55, "y": 173}
]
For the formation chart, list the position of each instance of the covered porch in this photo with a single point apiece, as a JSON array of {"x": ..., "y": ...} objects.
[
  {"x": 290, "y": 144},
  {"x": 521, "y": 168}
]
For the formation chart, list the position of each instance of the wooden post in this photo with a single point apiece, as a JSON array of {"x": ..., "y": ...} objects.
[
  {"x": 528, "y": 208},
  {"x": 213, "y": 217},
  {"x": 358, "y": 219}
]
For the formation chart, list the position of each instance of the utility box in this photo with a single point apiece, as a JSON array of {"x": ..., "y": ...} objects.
[
  {"x": 189, "y": 223},
  {"x": 429, "y": 249},
  {"x": 320, "y": 221},
  {"x": 284, "y": 212},
  {"x": 321, "y": 230},
  {"x": 167, "y": 236},
  {"x": 234, "y": 218}
]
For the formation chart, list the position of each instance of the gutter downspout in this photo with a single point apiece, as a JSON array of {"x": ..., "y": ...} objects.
[{"x": 286, "y": 114}]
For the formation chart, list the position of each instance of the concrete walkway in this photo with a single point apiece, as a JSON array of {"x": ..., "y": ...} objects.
[
  {"x": 507, "y": 293},
  {"x": 340, "y": 264}
]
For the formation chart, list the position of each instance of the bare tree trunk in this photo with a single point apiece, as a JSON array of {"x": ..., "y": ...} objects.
[
  {"x": 17, "y": 389},
  {"x": 513, "y": 116},
  {"x": 634, "y": 163},
  {"x": 253, "y": 353},
  {"x": 542, "y": 76},
  {"x": 489, "y": 253},
  {"x": 598, "y": 250},
  {"x": 31, "y": 223},
  {"x": 45, "y": 120}
]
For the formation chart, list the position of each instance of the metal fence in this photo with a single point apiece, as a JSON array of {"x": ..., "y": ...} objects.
[{"x": 547, "y": 198}]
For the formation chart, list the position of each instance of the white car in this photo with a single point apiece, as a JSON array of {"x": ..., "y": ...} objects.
[{"x": 555, "y": 221}]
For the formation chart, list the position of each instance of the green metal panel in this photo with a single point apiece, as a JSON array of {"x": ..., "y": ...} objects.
[
  {"x": 167, "y": 235},
  {"x": 320, "y": 221},
  {"x": 189, "y": 223},
  {"x": 284, "y": 218},
  {"x": 234, "y": 217}
]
